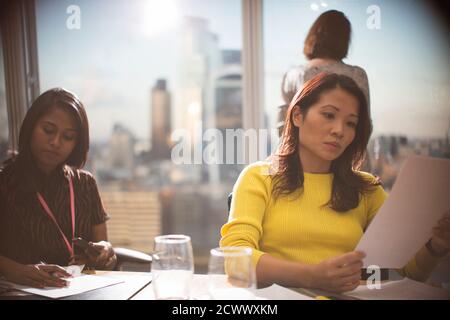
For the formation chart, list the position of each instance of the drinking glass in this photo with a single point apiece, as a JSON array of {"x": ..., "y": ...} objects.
[
  {"x": 172, "y": 267},
  {"x": 231, "y": 275}
]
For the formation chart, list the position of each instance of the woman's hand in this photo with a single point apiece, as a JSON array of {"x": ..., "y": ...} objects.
[
  {"x": 99, "y": 255},
  {"x": 37, "y": 275},
  {"x": 338, "y": 274},
  {"x": 440, "y": 241}
]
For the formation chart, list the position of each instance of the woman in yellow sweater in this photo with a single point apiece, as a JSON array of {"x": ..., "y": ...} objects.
[{"x": 304, "y": 211}]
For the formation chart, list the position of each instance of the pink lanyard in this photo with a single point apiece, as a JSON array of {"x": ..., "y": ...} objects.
[{"x": 52, "y": 217}]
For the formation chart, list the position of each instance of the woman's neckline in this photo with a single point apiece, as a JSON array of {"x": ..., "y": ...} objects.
[{"x": 318, "y": 173}]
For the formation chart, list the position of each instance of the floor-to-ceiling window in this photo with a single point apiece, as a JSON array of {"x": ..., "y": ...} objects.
[{"x": 154, "y": 77}]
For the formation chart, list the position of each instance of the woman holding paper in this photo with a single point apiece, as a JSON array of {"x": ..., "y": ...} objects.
[
  {"x": 303, "y": 211},
  {"x": 46, "y": 200}
]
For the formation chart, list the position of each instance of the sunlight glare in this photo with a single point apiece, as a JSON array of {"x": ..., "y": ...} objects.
[{"x": 159, "y": 16}]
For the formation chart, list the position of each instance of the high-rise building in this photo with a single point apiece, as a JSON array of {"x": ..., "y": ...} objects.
[
  {"x": 228, "y": 107},
  {"x": 161, "y": 117},
  {"x": 121, "y": 152},
  {"x": 198, "y": 60},
  {"x": 228, "y": 91}
]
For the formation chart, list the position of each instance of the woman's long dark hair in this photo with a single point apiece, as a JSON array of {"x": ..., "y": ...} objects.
[
  {"x": 348, "y": 185},
  {"x": 24, "y": 162}
]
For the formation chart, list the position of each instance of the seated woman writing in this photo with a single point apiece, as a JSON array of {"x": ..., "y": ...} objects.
[
  {"x": 304, "y": 211},
  {"x": 46, "y": 200}
]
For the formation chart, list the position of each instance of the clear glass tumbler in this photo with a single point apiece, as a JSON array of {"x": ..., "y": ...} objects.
[
  {"x": 172, "y": 267},
  {"x": 231, "y": 275}
]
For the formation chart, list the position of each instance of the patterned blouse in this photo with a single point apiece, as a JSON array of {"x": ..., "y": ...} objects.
[
  {"x": 27, "y": 234},
  {"x": 296, "y": 77}
]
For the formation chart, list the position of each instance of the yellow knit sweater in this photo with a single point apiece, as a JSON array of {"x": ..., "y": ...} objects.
[{"x": 298, "y": 227}]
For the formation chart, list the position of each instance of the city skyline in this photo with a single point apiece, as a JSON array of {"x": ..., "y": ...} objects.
[{"x": 118, "y": 65}]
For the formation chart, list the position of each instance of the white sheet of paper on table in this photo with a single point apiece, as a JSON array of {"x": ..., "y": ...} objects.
[
  {"x": 80, "y": 284},
  {"x": 405, "y": 289},
  {"x": 417, "y": 201},
  {"x": 276, "y": 292}
]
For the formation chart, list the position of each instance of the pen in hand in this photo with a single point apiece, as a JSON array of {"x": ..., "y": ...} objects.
[{"x": 53, "y": 275}]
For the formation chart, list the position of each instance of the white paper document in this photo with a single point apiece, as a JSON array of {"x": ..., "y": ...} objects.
[
  {"x": 77, "y": 285},
  {"x": 418, "y": 200},
  {"x": 405, "y": 289},
  {"x": 276, "y": 292}
]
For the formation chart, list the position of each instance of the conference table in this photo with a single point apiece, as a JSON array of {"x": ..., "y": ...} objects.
[
  {"x": 138, "y": 286},
  {"x": 135, "y": 286}
]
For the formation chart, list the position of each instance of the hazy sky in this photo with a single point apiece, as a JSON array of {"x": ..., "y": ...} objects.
[{"x": 113, "y": 60}]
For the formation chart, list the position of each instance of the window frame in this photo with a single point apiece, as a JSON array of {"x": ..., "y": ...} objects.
[{"x": 19, "y": 40}]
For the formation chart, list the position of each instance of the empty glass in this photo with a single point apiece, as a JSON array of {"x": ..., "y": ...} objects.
[
  {"x": 172, "y": 267},
  {"x": 231, "y": 275}
]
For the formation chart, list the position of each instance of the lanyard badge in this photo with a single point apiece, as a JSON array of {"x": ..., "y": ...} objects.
[{"x": 52, "y": 216}]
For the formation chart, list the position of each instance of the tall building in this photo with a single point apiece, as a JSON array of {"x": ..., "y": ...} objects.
[
  {"x": 228, "y": 91},
  {"x": 161, "y": 117},
  {"x": 121, "y": 152},
  {"x": 228, "y": 107},
  {"x": 198, "y": 60}
]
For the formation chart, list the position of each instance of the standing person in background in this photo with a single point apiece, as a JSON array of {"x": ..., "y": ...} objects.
[
  {"x": 326, "y": 45},
  {"x": 46, "y": 200}
]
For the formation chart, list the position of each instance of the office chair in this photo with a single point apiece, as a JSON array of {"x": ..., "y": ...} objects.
[{"x": 230, "y": 197}]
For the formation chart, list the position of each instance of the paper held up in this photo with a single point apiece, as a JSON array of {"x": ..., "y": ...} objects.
[{"x": 418, "y": 200}]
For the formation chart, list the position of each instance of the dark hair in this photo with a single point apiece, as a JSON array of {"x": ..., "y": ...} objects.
[
  {"x": 328, "y": 37},
  {"x": 53, "y": 98},
  {"x": 347, "y": 184}
]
